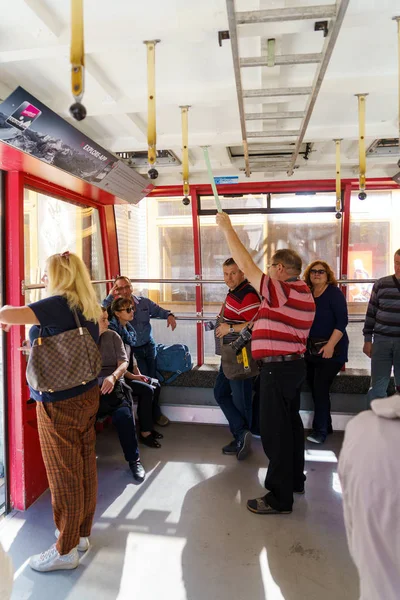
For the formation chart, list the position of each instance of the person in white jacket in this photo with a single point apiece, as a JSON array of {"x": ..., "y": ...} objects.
[
  {"x": 6, "y": 575},
  {"x": 370, "y": 477}
]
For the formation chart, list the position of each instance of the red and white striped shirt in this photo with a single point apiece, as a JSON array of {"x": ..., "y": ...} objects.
[{"x": 284, "y": 319}]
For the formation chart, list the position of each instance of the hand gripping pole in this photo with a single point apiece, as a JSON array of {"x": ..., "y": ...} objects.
[
  {"x": 361, "y": 143},
  {"x": 185, "y": 151},
  {"x": 77, "y": 58},
  {"x": 211, "y": 178},
  {"x": 151, "y": 105},
  {"x": 338, "y": 181}
]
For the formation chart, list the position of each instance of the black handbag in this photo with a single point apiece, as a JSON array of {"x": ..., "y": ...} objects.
[{"x": 314, "y": 346}]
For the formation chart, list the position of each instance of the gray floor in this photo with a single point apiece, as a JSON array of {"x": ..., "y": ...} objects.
[{"x": 185, "y": 533}]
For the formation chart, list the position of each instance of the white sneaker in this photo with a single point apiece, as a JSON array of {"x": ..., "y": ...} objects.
[
  {"x": 83, "y": 542},
  {"x": 51, "y": 560}
]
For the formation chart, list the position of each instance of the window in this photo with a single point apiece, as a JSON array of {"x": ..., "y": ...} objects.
[
  {"x": 374, "y": 238},
  {"x": 54, "y": 225},
  {"x": 313, "y": 235},
  {"x": 155, "y": 241}
]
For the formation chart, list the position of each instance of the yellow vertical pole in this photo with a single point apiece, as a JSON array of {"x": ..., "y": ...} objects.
[
  {"x": 151, "y": 101},
  {"x": 77, "y": 58},
  {"x": 361, "y": 143},
  {"x": 185, "y": 150},
  {"x": 398, "y": 52},
  {"x": 338, "y": 181}
]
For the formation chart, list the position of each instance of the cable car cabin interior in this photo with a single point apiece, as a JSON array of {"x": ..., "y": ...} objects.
[{"x": 125, "y": 129}]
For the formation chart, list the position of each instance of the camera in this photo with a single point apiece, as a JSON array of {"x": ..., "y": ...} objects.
[
  {"x": 78, "y": 111},
  {"x": 242, "y": 340},
  {"x": 362, "y": 196},
  {"x": 186, "y": 201}
]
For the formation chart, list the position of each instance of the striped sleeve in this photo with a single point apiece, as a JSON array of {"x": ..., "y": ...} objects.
[{"x": 370, "y": 317}]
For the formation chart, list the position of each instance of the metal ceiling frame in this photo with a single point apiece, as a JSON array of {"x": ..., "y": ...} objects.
[{"x": 335, "y": 13}]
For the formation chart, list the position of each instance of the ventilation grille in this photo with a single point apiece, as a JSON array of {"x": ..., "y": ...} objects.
[{"x": 137, "y": 160}]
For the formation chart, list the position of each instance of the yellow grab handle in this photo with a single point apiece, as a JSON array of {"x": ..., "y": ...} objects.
[
  {"x": 338, "y": 180},
  {"x": 77, "y": 56},
  {"x": 185, "y": 150},
  {"x": 151, "y": 101},
  {"x": 361, "y": 140}
]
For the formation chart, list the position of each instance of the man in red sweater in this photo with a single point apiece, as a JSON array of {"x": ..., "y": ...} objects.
[
  {"x": 235, "y": 396},
  {"x": 279, "y": 341}
]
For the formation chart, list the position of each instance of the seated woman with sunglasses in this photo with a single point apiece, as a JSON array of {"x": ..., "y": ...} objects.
[
  {"x": 146, "y": 389},
  {"x": 327, "y": 344},
  {"x": 115, "y": 397}
]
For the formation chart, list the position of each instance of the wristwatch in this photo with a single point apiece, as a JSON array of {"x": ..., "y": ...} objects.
[{"x": 231, "y": 330}]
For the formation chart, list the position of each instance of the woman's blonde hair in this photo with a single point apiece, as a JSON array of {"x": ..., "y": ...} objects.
[
  {"x": 331, "y": 279},
  {"x": 69, "y": 277}
]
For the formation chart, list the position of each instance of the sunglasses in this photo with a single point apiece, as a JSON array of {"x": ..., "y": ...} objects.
[
  {"x": 317, "y": 271},
  {"x": 128, "y": 310}
]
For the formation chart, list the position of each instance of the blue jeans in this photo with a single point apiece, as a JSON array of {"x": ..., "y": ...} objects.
[
  {"x": 146, "y": 358},
  {"x": 385, "y": 354},
  {"x": 235, "y": 399}
]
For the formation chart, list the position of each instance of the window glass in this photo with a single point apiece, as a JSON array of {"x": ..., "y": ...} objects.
[
  {"x": 243, "y": 201},
  {"x": 155, "y": 241},
  {"x": 373, "y": 239},
  {"x": 52, "y": 225},
  {"x": 312, "y": 235}
]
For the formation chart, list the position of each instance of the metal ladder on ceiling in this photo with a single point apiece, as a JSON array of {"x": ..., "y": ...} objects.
[{"x": 334, "y": 14}]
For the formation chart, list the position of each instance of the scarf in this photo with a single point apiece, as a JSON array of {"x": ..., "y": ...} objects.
[{"x": 127, "y": 333}]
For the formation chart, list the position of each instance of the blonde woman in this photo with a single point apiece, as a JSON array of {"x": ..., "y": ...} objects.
[{"x": 66, "y": 418}]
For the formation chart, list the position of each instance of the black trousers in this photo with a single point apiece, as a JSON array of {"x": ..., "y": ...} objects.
[
  {"x": 148, "y": 403},
  {"x": 282, "y": 431},
  {"x": 320, "y": 374},
  {"x": 118, "y": 404}
]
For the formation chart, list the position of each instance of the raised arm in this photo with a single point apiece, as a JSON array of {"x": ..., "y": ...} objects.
[{"x": 239, "y": 253}]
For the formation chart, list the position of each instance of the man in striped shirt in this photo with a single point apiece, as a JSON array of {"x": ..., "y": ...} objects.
[
  {"x": 235, "y": 396},
  {"x": 382, "y": 323},
  {"x": 279, "y": 340}
]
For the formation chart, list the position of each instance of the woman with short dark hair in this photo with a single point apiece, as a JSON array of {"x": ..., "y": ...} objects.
[
  {"x": 145, "y": 388},
  {"x": 327, "y": 344}
]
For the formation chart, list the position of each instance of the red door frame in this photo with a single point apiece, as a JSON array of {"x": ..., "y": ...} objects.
[{"x": 27, "y": 477}]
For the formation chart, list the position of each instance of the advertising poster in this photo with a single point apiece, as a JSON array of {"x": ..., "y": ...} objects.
[{"x": 29, "y": 126}]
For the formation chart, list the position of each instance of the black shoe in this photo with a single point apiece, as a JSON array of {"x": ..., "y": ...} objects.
[
  {"x": 156, "y": 435},
  {"x": 316, "y": 438},
  {"x": 149, "y": 441},
  {"x": 138, "y": 471},
  {"x": 230, "y": 448},
  {"x": 261, "y": 507},
  {"x": 243, "y": 446}
]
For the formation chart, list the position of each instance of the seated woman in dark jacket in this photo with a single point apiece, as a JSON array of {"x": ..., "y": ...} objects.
[
  {"x": 145, "y": 388},
  {"x": 115, "y": 398},
  {"x": 327, "y": 344}
]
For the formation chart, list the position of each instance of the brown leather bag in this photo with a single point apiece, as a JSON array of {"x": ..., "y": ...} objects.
[
  {"x": 232, "y": 363},
  {"x": 63, "y": 361}
]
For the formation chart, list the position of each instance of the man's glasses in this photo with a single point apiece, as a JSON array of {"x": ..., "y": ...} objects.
[
  {"x": 317, "y": 271},
  {"x": 121, "y": 289},
  {"x": 273, "y": 265}
]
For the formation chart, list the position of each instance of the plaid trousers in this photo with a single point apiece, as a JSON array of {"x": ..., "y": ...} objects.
[{"x": 68, "y": 443}]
